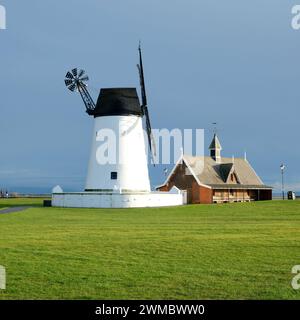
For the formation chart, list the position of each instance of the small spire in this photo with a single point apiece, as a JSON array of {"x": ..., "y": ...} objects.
[
  {"x": 215, "y": 144},
  {"x": 215, "y": 149},
  {"x": 233, "y": 158},
  {"x": 245, "y": 155}
]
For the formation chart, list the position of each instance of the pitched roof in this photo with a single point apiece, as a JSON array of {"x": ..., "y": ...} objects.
[
  {"x": 215, "y": 144},
  {"x": 213, "y": 174}
]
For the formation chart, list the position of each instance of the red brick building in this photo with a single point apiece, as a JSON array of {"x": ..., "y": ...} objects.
[{"x": 216, "y": 179}]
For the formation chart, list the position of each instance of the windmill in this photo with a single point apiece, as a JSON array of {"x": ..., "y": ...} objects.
[
  {"x": 120, "y": 111},
  {"x": 118, "y": 175}
]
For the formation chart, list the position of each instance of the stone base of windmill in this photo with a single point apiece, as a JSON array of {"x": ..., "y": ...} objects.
[{"x": 174, "y": 197}]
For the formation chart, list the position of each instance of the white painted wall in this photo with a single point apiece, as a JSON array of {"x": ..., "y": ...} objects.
[
  {"x": 114, "y": 200},
  {"x": 131, "y": 164}
]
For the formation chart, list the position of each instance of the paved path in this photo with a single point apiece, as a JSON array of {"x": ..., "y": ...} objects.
[{"x": 14, "y": 209}]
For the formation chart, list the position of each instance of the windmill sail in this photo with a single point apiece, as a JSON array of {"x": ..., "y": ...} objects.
[{"x": 145, "y": 106}]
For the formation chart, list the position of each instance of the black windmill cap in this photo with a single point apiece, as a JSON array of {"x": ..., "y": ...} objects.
[{"x": 117, "y": 102}]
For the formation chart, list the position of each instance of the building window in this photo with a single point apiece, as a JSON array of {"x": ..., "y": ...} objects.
[
  {"x": 114, "y": 175},
  {"x": 231, "y": 192}
]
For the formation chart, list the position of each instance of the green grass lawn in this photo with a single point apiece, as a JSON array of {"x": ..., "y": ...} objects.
[
  {"x": 17, "y": 202},
  {"x": 230, "y": 251}
]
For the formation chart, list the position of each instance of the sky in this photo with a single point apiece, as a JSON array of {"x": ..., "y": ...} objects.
[{"x": 232, "y": 62}]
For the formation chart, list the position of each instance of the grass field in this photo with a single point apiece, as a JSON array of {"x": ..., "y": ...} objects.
[{"x": 230, "y": 251}]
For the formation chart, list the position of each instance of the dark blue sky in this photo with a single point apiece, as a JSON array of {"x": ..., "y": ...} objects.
[{"x": 233, "y": 62}]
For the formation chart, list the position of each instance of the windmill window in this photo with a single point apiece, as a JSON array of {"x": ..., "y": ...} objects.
[{"x": 114, "y": 175}]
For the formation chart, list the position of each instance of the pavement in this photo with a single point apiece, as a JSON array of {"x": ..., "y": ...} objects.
[{"x": 14, "y": 209}]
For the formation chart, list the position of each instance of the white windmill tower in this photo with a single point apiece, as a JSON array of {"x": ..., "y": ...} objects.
[
  {"x": 121, "y": 180},
  {"x": 118, "y": 116}
]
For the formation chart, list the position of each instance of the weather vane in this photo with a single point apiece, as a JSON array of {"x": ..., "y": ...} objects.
[{"x": 215, "y": 127}]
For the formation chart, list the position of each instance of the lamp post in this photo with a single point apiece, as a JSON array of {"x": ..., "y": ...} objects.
[{"x": 282, "y": 168}]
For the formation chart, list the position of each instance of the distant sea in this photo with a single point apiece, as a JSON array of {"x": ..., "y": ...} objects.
[
  {"x": 33, "y": 190},
  {"x": 48, "y": 189},
  {"x": 278, "y": 195}
]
